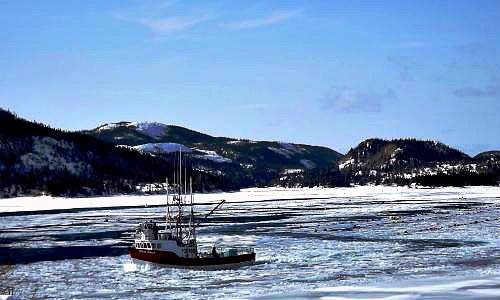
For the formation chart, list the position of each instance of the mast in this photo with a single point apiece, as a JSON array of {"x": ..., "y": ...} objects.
[
  {"x": 179, "y": 198},
  {"x": 185, "y": 177},
  {"x": 167, "y": 216},
  {"x": 180, "y": 171},
  {"x": 191, "y": 219}
]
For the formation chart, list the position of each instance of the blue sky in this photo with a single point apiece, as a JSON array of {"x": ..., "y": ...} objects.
[{"x": 318, "y": 72}]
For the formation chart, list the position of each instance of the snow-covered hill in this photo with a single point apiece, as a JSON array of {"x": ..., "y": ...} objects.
[
  {"x": 410, "y": 160},
  {"x": 260, "y": 162},
  {"x": 36, "y": 159}
]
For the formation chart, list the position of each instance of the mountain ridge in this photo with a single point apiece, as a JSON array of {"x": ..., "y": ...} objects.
[
  {"x": 37, "y": 159},
  {"x": 107, "y": 126},
  {"x": 253, "y": 160},
  {"x": 405, "y": 161},
  {"x": 130, "y": 157}
]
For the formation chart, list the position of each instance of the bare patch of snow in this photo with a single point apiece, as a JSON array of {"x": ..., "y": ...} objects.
[
  {"x": 395, "y": 152},
  {"x": 46, "y": 153},
  {"x": 212, "y": 155},
  {"x": 153, "y": 129},
  {"x": 292, "y": 147},
  {"x": 162, "y": 148},
  {"x": 308, "y": 164},
  {"x": 281, "y": 151},
  {"x": 106, "y": 127},
  {"x": 292, "y": 171},
  {"x": 346, "y": 163},
  {"x": 111, "y": 126},
  {"x": 125, "y": 147}
]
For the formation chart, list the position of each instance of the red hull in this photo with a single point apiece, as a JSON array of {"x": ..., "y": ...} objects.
[{"x": 169, "y": 258}]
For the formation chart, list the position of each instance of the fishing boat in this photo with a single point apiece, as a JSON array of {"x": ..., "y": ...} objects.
[{"x": 174, "y": 244}]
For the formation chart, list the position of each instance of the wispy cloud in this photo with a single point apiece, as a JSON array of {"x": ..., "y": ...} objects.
[
  {"x": 275, "y": 18},
  {"x": 403, "y": 66},
  {"x": 407, "y": 45},
  {"x": 251, "y": 106},
  {"x": 471, "y": 48},
  {"x": 491, "y": 91},
  {"x": 171, "y": 24},
  {"x": 158, "y": 18},
  {"x": 349, "y": 100}
]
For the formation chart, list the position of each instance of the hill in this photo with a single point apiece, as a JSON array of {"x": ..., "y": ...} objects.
[
  {"x": 407, "y": 161},
  {"x": 36, "y": 159},
  {"x": 128, "y": 157},
  {"x": 251, "y": 163},
  {"x": 488, "y": 156},
  {"x": 382, "y": 154}
]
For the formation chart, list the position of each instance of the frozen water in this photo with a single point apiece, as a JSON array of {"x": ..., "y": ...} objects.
[{"x": 358, "y": 243}]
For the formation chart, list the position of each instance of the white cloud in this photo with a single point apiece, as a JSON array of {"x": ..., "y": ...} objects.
[
  {"x": 408, "y": 45},
  {"x": 158, "y": 18},
  {"x": 350, "y": 100},
  {"x": 490, "y": 91},
  {"x": 171, "y": 24},
  {"x": 272, "y": 19},
  {"x": 252, "y": 106}
]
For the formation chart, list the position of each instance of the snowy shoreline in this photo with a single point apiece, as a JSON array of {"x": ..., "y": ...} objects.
[{"x": 41, "y": 204}]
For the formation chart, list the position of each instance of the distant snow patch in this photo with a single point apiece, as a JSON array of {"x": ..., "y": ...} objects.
[
  {"x": 125, "y": 147},
  {"x": 162, "y": 148},
  {"x": 109, "y": 126},
  {"x": 346, "y": 163},
  {"x": 281, "y": 151},
  {"x": 292, "y": 147},
  {"x": 240, "y": 142},
  {"x": 153, "y": 129},
  {"x": 308, "y": 164},
  {"x": 292, "y": 171},
  {"x": 213, "y": 156},
  {"x": 50, "y": 153},
  {"x": 396, "y": 151}
]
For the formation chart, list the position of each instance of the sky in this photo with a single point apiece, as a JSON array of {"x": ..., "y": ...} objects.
[{"x": 329, "y": 73}]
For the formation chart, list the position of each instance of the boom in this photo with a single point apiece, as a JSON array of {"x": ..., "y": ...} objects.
[{"x": 213, "y": 209}]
